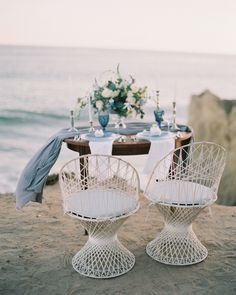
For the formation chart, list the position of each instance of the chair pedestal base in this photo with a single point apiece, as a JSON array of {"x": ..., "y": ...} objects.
[
  {"x": 103, "y": 260},
  {"x": 177, "y": 245},
  {"x": 103, "y": 256}
]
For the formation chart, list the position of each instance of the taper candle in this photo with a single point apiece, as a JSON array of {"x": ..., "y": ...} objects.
[
  {"x": 90, "y": 109},
  {"x": 158, "y": 98},
  {"x": 174, "y": 100}
]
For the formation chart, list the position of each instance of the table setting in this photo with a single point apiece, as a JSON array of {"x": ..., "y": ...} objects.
[
  {"x": 112, "y": 94},
  {"x": 115, "y": 95}
]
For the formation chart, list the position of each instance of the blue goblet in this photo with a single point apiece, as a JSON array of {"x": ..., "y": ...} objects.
[
  {"x": 103, "y": 119},
  {"x": 159, "y": 116}
]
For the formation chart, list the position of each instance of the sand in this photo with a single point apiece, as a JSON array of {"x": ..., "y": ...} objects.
[{"x": 37, "y": 244}]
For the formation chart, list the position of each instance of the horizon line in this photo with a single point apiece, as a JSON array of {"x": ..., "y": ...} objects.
[{"x": 118, "y": 49}]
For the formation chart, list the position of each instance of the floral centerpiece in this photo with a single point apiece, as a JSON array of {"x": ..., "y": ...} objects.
[{"x": 119, "y": 96}]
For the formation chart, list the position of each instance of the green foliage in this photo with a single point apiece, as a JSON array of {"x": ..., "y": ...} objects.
[{"x": 119, "y": 96}]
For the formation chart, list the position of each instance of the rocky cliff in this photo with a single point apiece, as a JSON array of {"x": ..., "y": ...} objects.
[{"x": 214, "y": 119}]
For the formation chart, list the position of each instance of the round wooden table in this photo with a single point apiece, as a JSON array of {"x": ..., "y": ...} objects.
[{"x": 129, "y": 146}]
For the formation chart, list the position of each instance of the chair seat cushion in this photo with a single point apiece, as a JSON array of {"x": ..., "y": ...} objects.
[
  {"x": 95, "y": 204},
  {"x": 180, "y": 192}
]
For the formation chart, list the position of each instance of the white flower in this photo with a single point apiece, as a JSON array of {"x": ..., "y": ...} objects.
[
  {"x": 123, "y": 84},
  {"x": 99, "y": 105},
  {"x": 130, "y": 100},
  {"x": 117, "y": 85},
  {"x": 111, "y": 100},
  {"x": 127, "y": 106},
  {"x": 107, "y": 93},
  {"x": 115, "y": 93},
  {"x": 129, "y": 94},
  {"x": 134, "y": 88}
]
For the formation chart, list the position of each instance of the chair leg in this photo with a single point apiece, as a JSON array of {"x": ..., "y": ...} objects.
[
  {"x": 103, "y": 256},
  {"x": 177, "y": 243}
]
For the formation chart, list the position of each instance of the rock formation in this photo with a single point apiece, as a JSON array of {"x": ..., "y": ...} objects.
[{"x": 214, "y": 120}]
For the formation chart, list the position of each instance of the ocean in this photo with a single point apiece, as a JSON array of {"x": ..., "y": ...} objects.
[{"x": 39, "y": 85}]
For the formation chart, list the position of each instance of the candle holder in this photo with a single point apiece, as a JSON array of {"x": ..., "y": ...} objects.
[
  {"x": 174, "y": 126},
  {"x": 72, "y": 122},
  {"x": 91, "y": 128}
]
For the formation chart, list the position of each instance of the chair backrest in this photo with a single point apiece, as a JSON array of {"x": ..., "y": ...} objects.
[
  {"x": 98, "y": 176},
  {"x": 189, "y": 175}
]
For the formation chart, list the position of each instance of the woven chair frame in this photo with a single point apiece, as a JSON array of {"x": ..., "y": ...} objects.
[
  {"x": 181, "y": 185},
  {"x": 101, "y": 192}
]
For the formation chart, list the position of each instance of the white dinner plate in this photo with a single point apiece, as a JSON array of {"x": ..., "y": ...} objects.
[
  {"x": 107, "y": 136},
  {"x": 149, "y": 136}
]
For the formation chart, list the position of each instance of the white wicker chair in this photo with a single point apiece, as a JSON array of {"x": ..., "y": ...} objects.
[
  {"x": 181, "y": 185},
  {"x": 101, "y": 192}
]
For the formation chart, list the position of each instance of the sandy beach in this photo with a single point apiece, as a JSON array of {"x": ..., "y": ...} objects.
[
  {"x": 38, "y": 242},
  {"x": 71, "y": 71}
]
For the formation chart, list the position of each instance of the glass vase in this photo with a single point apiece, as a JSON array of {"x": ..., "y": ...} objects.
[
  {"x": 120, "y": 123},
  {"x": 103, "y": 119}
]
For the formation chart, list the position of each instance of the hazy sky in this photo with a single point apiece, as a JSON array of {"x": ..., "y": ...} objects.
[{"x": 173, "y": 25}]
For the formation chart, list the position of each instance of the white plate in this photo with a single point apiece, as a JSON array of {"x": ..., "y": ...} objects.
[
  {"x": 149, "y": 136},
  {"x": 106, "y": 136}
]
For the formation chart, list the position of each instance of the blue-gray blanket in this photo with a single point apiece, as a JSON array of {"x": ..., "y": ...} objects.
[{"x": 32, "y": 179}]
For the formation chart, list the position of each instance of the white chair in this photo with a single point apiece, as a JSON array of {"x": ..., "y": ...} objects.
[
  {"x": 101, "y": 192},
  {"x": 181, "y": 185}
]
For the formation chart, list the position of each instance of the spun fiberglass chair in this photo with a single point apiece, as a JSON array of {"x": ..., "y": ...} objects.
[
  {"x": 181, "y": 185},
  {"x": 101, "y": 192}
]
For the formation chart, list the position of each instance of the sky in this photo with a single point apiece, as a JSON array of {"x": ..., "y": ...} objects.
[{"x": 201, "y": 26}]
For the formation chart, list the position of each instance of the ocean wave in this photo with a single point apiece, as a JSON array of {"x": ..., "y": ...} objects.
[{"x": 16, "y": 116}]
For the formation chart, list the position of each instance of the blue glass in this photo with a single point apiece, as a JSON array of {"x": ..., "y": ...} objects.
[
  {"x": 103, "y": 119},
  {"x": 159, "y": 116}
]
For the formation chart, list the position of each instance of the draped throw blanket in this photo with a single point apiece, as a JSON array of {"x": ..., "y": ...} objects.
[{"x": 32, "y": 179}]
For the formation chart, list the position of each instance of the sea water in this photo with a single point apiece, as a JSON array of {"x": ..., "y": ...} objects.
[{"x": 38, "y": 87}]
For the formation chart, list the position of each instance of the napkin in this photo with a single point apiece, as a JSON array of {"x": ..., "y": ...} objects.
[
  {"x": 158, "y": 150},
  {"x": 101, "y": 147},
  {"x": 145, "y": 164}
]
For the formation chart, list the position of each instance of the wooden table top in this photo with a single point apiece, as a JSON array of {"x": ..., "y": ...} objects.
[{"x": 129, "y": 146}]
